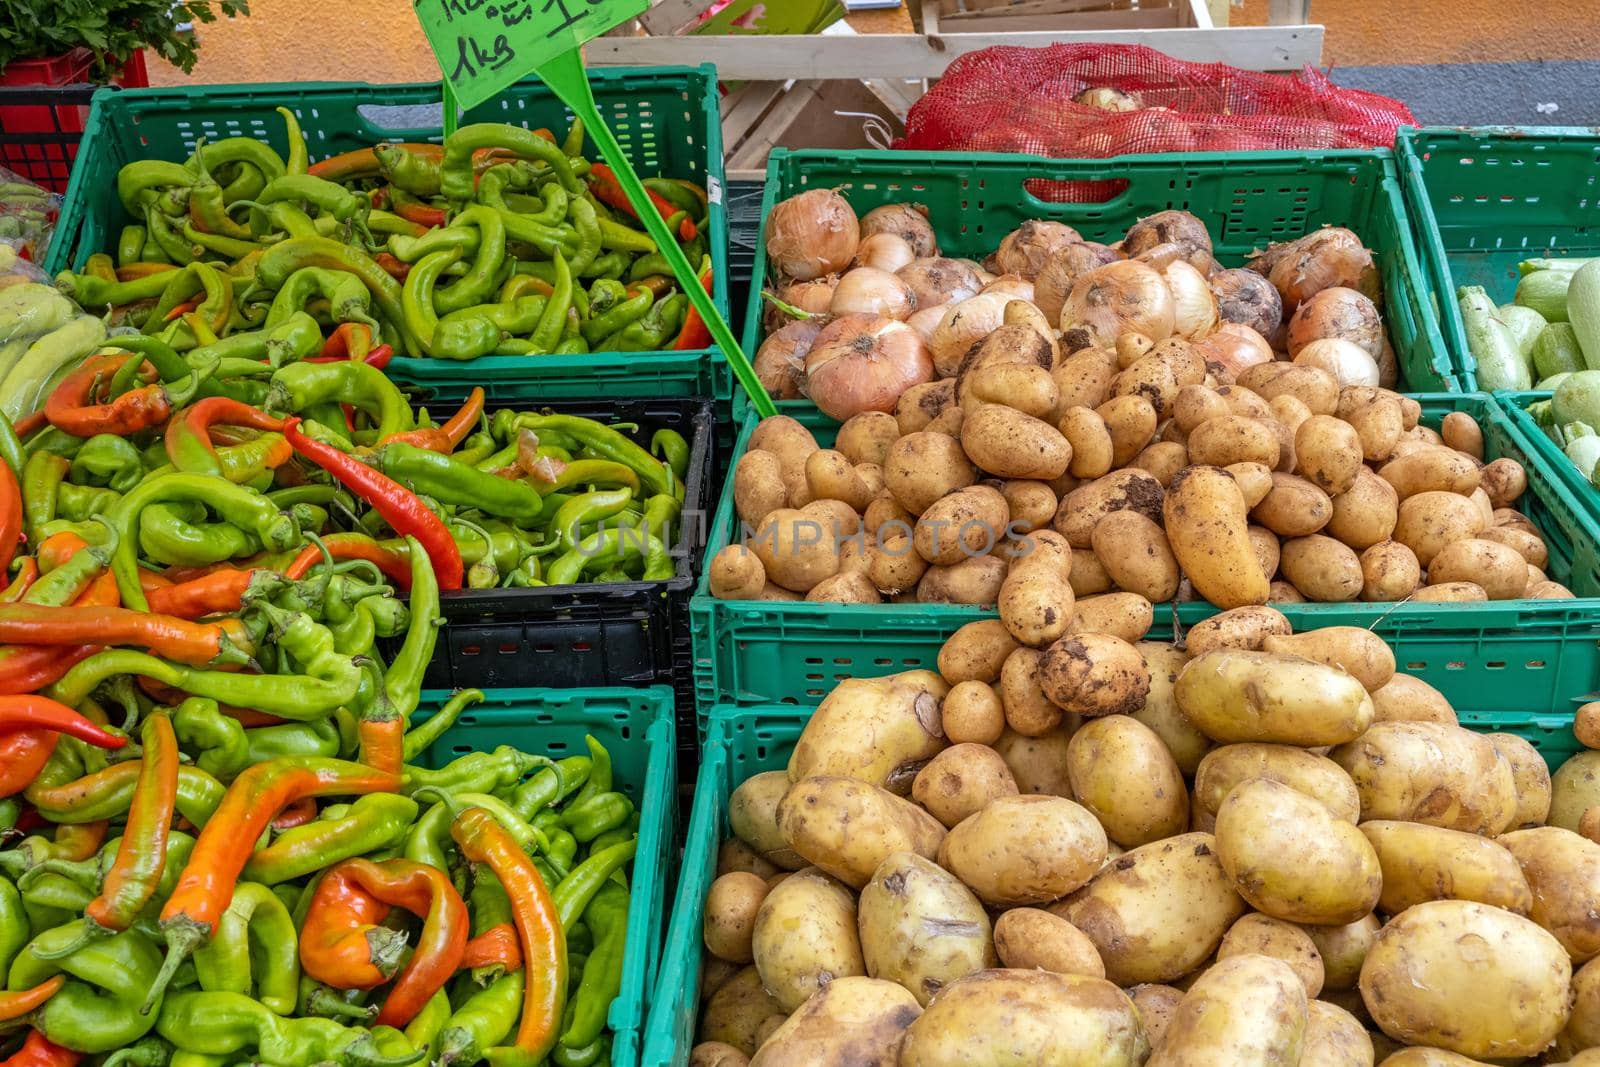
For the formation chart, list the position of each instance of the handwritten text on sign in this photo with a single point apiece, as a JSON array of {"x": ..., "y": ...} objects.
[{"x": 486, "y": 45}]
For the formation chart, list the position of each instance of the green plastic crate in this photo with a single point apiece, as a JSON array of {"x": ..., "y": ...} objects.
[
  {"x": 667, "y": 119},
  {"x": 746, "y": 741},
  {"x": 1482, "y": 200},
  {"x": 1246, "y": 200},
  {"x": 1582, "y": 490},
  {"x": 1504, "y": 653},
  {"x": 636, "y": 727}
]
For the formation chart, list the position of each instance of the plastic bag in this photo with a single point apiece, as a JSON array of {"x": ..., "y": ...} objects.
[
  {"x": 1022, "y": 100},
  {"x": 28, "y": 214},
  {"x": 43, "y": 335}
]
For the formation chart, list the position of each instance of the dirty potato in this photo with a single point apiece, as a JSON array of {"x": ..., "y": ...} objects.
[
  {"x": 961, "y": 781},
  {"x": 1031, "y": 939},
  {"x": 1121, "y": 771},
  {"x": 1025, "y": 849},
  {"x": 921, "y": 927},
  {"x": 851, "y": 1022},
  {"x": 847, "y": 827},
  {"x": 805, "y": 937}
]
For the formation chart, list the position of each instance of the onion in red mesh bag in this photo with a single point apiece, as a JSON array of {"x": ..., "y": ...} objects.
[
  {"x": 780, "y": 362},
  {"x": 1350, "y": 364},
  {"x": 886, "y": 251},
  {"x": 1054, "y": 282},
  {"x": 1318, "y": 261},
  {"x": 935, "y": 282},
  {"x": 1194, "y": 308},
  {"x": 1245, "y": 297},
  {"x": 909, "y": 222},
  {"x": 812, "y": 234},
  {"x": 811, "y": 297},
  {"x": 1029, "y": 247},
  {"x": 1337, "y": 312},
  {"x": 964, "y": 325},
  {"x": 863, "y": 363},
  {"x": 1108, "y": 99},
  {"x": 1171, "y": 227},
  {"x": 869, "y": 291},
  {"x": 1118, "y": 298},
  {"x": 1234, "y": 347}
]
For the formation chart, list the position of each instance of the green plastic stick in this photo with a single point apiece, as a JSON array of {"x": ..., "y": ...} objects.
[
  {"x": 565, "y": 75},
  {"x": 451, "y": 110}
]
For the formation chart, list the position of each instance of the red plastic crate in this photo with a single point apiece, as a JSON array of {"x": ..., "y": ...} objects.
[{"x": 44, "y": 104}]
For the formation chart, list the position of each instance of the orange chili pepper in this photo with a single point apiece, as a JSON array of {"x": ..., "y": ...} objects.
[
  {"x": 421, "y": 214},
  {"x": 56, "y": 549},
  {"x": 10, "y": 515},
  {"x": 496, "y": 945},
  {"x": 131, "y": 882},
  {"x": 213, "y": 594},
  {"x": 164, "y": 635},
  {"x": 459, "y": 425},
  {"x": 16, "y": 1005},
  {"x": 142, "y": 270},
  {"x": 182, "y": 309},
  {"x": 30, "y": 424},
  {"x": 27, "y": 574},
  {"x": 351, "y": 340},
  {"x": 40, "y": 1051},
  {"x": 394, "y": 566},
  {"x": 299, "y": 813},
  {"x": 397, "y": 268},
  {"x": 342, "y": 942},
  {"x": 72, "y": 407}
]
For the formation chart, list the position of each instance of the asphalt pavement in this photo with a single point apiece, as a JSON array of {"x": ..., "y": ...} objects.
[{"x": 1541, "y": 93}]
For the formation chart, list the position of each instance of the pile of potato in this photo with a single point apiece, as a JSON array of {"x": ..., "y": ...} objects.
[
  {"x": 1259, "y": 848},
  {"x": 1162, "y": 481}
]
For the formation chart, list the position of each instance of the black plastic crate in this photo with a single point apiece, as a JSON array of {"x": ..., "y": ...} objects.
[
  {"x": 627, "y": 634},
  {"x": 40, "y": 128}
]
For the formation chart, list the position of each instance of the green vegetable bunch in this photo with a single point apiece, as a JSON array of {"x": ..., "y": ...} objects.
[{"x": 113, "y": 29}]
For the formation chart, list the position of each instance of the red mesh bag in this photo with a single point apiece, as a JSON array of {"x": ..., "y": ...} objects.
[{"x": 1021, "y": 100}]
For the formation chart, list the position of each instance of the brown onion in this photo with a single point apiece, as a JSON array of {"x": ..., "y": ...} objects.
[
  {"x": 935, "y": 282},
  {"x": 1171, "y": 227},
  {"x": 811, "y": 297},
  {"x": 1108, "y": 99},
  {"x": 926, "y": 320},
  {"x": 780, "y": 362},
  {"x": 964, "y": 325},
  {"x": 1234, "y": 347},
  {"x": 863, "y": 363},
  {"x": 886, "y": 251},
  {"x": 812, "y": 234},
  {"x": 1330, "y": 257},
  {"x": 1194, "y": 308},
  {"x": 1013, "y": 285},
  {"x": 869, "y": 291},
  {"x": 1350, "y": 364},
  {"x": 1336, "y": 312},
  {"x": 909, "y": 222},
  {"x": 1054, "y": 282},
  {"x": 1029, "y": 247},
  {"x": 1118, "y": 298},
  {"x": 1245, "y": 297}
]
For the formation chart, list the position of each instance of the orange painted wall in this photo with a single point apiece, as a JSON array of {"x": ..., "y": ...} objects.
[{"x": 379, "y": 40}]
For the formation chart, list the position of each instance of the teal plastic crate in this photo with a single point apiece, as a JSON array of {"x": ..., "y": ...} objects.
[
  {"x": 636, "y": 726},
  {"x": 1484, "y": 655},
  {"x": 1246, "y": 200},
  {"x": 1582, "y": 490},
  {"x": 1484, "y": 199},
  {"x": 667, "y": 119},
  {"x": 746, "y": 741}
]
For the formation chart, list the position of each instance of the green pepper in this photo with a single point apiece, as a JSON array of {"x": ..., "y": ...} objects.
[
  {"x": 160, "y": 234},
  {"x": 671, "y": 446},
  {"x": 585, "y": 509},
  {"x": 574, "y": 892},
  {"x": 442, "y": 478},
  {"x": 589, "y": 818},
  {"x": 176, "y": 535},
  {"x": 80, "y": 503},
  {"x": 417, "y": 298},
  {"x": 11, "y": 448},
  {"x": 424, "y": 1030},
  {"x": 456, "y": 177},
  {"x": 207, "y": 205},
  {"x": 475, "y": 286},
  {"x": 599, "y": 440},
  {"x": 92, "y": 291},
  {"x": 286, "y": 257},
  {"x": 41, "y": 478},
  {"x": 319, "y": 738},
  {"x": 254, "y": 945},
  {"x": 97, "y": 1010},
  {"x": 219, "y": 1024},
  {"x": 548, "y": 332},
  {"x": 614, "y": 547},
  {"x": 478, "y": 331},
  {"x": 375, "y": 821},
  {"x": 476, "y": 772},
  {"x": 220, "y": 740},
  {"x": 420, "y": 738},
  {"x": 607, "y": 919},
  {"x": 300, "y": 386},
  {"x": 146, "y": 181},
  {"x": 482, "y": 1022},
  {"x": 15, "y": 929},
  {"x": 551, "y": 785},
  {"x": 348, "y": 299},
  {"x": 622, "y": 314}
]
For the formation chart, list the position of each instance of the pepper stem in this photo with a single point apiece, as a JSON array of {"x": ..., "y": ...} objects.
[
  {"x": 363, "y": 1052},
  {"x": 91, "y": 932},
  {"x": 183, "y": 936}
]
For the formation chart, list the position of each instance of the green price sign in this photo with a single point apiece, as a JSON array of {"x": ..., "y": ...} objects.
[{"x": 485, "y": 46}]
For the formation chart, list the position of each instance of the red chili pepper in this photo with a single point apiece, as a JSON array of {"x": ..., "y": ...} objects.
[
  {"x": 182, "y": 309},
  {"x": 694, "y": 334},
  {"x": 27, "y": 574},
  {"x": 39, "y": 1051},
  {"x": 400, "y": 507},
  {"x": 149, "y": 580},
  {"x": 23, "y": 755},
  {"x": 72, "y": 407},
  {"x": 214, "y": 594},
  {"x": 544, "y": 941},
  {"x": 459, "y": 425},
  {"x": 30, "y": 424},
  {"x": 16, "y": 1005},
  {"x": 379, "y": 357},
  {"x": 603, "y": 182},
  {"x": 299, "y": 813},
  {"x": 342, "y": 941},
  {"x": 10, "y": 515},
  {"x": 135, "y": 873},
  {"x": 496, "y": 945},
  {"x": 422, "y": 214},
  {"x": 397, "y": 269},
  {"x": 41, "y": 713},
  {"x": 395, "y": 566},
  {"x": 348, "y": 341}
]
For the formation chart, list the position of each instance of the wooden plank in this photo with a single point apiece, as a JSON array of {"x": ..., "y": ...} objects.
[
  {"x": 1005, "y": 22},
  {"x": 910, "y": 56},
  {"x": 743, "y": 111},
  {"x": 1221, "y": 11},
  {"x": 1288, "y": 12},
  {"x": 1198, "y": 13}
]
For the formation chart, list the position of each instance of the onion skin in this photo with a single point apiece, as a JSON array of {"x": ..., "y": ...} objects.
[
  {"x": 863, "y": 363},
  {"x": 1350, "y": 364},
  {"x": 964, "y": 325},
  {"x": 885, "y": 251},
  {"x": 812, "y": 234},
  {"x": 926, "y": 320},
  {"x": 813, "y": 297},
  {"x": 1109, "y": 301},
  {"x": 1194, "y": 307},
  {"x": 1247, "y": 298},
  {"x": 1175, "y": 228},
  {"x": 1013, "y": 285},
  {"x": 935, "y": 282},
  {"x": 1054, "y": 282},
  {"x": 1329, "y": 257},
  {"x": 781, "y": 360},
  {"x": 1234, "y": 347},
  {"x": 1029, "y": 247},
  {"x": 869, "y": 291},
  {"x": 1337, "y": 312},
  {"x": 909, "y": 222}
]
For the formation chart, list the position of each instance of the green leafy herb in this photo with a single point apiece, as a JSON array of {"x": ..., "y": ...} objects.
[{"x": 113, "y": 29}]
